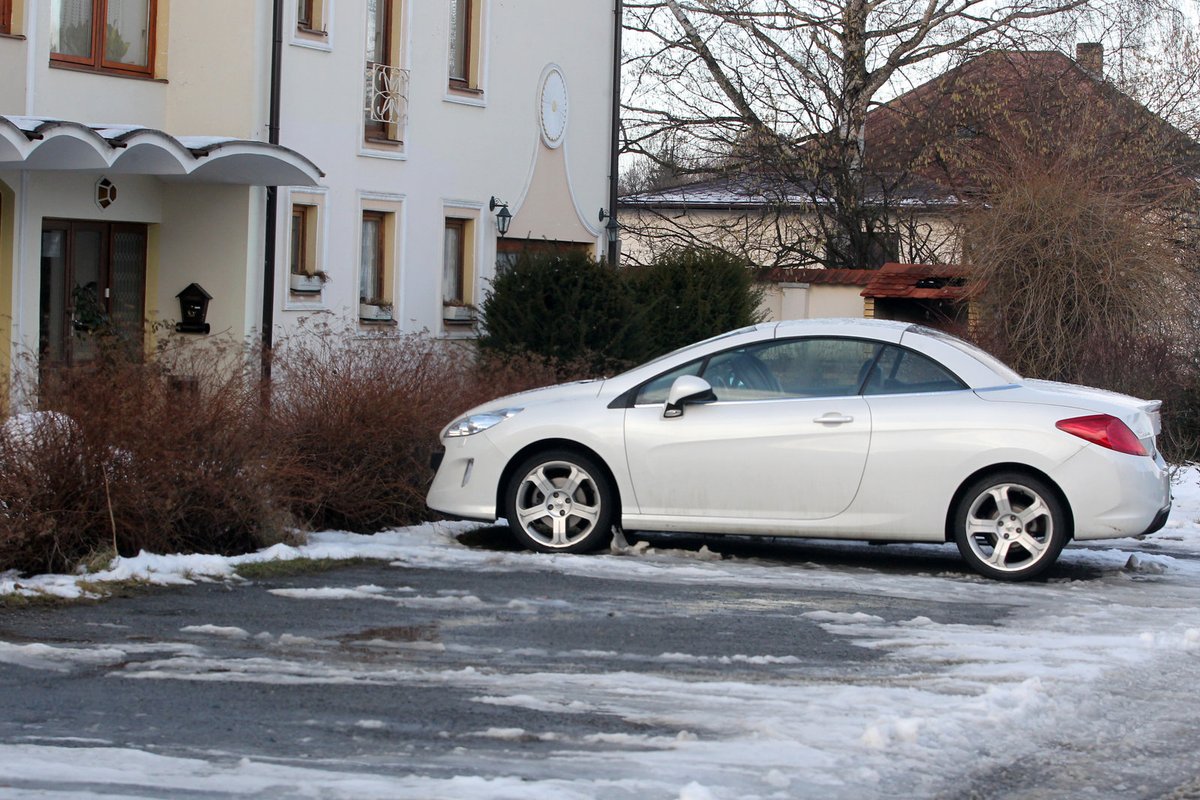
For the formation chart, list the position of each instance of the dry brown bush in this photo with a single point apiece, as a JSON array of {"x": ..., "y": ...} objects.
[
  {"x": 126, "y": 454},
  {"x": 359, "y": 418},
  {"x": 124, "y": 457},
  {"x": 1084, "y": 281}
]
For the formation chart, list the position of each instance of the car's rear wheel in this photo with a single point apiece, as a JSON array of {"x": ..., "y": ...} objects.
[
  {"x": 1010, "y": 526},
  {"x": 560, "y": 502}
]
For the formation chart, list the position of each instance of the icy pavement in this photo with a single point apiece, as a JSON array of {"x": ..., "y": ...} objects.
[{"x": 1084, "y": 680}]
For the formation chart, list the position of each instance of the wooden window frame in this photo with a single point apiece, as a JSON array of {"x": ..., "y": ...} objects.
[
  {"x": 304, "y": 16},
  {"x": 462, "y": 225},
  {"x": 6, "y": 16},
  {"x": 97, "y": 62},
  {"x": 465, "y": 84},
  {"x": 301, "y": 255},
  {"x": 385, "y": 133},
  {"x": 381, "y": 217}
]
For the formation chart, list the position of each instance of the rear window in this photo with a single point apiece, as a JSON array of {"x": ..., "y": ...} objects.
[{"x": 996, "y": 365}]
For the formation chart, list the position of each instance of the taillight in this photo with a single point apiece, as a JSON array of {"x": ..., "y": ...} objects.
[{"x": 1106, "y": 431}]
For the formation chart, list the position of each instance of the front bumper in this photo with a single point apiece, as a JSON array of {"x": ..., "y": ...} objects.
[{"x": 467, "y": 478}]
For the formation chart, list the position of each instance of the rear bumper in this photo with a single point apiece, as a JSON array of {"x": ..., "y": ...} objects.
[
  {"x": 1114, "y": 495},
  {"x": 1159, "y": 520}
]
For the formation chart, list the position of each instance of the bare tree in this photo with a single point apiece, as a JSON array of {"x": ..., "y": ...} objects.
[{"x": 781, "y": 89}]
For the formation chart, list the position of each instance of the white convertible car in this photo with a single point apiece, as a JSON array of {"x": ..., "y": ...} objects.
[{"x": 844, "y": 429}]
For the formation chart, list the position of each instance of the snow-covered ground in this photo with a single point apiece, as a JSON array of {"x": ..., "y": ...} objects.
[{"x": 1071, "y": 660}]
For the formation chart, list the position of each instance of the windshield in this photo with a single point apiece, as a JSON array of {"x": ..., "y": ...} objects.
[{"x": 685, "y": 348}]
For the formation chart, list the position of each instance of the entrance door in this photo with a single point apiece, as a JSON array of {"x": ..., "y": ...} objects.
[{"x": 93, "y": 285}]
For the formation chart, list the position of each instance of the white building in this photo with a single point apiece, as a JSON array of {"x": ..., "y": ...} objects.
[
  {"x": 135, "y": 148},
  {"x": 469, "y": 100}
]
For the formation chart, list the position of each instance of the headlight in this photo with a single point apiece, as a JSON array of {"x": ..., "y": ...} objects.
[{"x": 480, "y": 422}]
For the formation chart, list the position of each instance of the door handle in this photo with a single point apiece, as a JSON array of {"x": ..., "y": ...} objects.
[{"x": 833, "y": 418}]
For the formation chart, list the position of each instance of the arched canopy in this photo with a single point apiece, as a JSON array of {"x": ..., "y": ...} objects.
[{"x": 55, "y": 145}]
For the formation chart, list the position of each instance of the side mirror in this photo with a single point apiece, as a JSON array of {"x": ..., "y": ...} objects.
[{"x": 686, "y": 390}]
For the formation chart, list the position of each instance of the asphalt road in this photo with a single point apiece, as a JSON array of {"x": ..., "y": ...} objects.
[{"x": 328, "y": 692}]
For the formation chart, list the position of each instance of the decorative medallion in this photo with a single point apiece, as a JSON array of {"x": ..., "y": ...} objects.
[{"x": 553, "y": 107}]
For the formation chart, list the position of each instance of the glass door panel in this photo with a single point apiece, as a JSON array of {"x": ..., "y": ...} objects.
[
  {"x": 93, "y": 280},
  {"x": 127, "y": 281}
]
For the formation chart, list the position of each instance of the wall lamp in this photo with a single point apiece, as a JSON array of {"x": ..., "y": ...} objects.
[
  {"x": 503, "y": 216},
  {"x": 613, "y": 228}
]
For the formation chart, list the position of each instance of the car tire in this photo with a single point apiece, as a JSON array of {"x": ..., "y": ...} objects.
[
  {"x": 559, "y": 501},
  {"x": 1010, "y": 526}
]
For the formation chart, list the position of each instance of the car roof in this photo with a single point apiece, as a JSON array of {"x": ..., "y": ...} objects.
[
  {"x": 973, "y": 367},
  {"x": 882, "y": 329}
]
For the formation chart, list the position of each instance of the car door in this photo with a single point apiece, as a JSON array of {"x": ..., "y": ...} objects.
[
  {"x": 927, "y": 426},
  {"x": 786, "y": 438}
]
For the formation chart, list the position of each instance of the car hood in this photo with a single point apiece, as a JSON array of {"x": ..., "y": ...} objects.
[
  {"x": 536, "y": 397},
  {"x": 1140, "y": 415}
]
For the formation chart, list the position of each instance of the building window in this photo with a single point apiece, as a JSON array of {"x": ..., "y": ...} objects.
[
  {"x": 370, "y": 279},
  {"x": 458, "y": 273},
  {"x": 465, "y": 45},
  {"x": 305, "y": 274},
  {"x": 509, "y": 252},
  {"x": 453, "y": 273},
  {"x": 109, "y": 35},
  {"x": 300, "y": 252},
  {"x": 374, "y": 298},
  {"x": 312, "y": 23},
  {"x": 387, "y": 83}
]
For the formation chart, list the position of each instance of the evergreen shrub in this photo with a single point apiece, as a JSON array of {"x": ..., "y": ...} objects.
[{"x": 568, "y": 308}]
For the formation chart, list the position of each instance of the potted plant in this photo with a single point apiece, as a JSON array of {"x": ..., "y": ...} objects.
[
  {"x": 374, "y": 310},
  {"x": 307, "y": 282}
]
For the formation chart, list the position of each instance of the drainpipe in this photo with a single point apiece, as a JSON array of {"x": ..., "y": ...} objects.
[
  {"x": 615, "y": 143},
  {"x": 268, "y": 287}
]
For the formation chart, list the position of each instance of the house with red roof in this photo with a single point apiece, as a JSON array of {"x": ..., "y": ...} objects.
[{"x": 929, "y": 155}]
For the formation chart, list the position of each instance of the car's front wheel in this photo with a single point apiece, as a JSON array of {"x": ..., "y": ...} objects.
[
  {"x": 560, "y": 502},
  {"x": 1010, "y": 526}
]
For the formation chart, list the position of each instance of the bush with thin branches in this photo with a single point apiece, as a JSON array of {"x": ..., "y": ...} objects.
[
  {"x": 1085, "y": 281},
  {"x": 123, "y": 456},
  {"x": 358, "y": 418}
]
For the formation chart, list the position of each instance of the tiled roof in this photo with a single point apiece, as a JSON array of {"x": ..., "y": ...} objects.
[
  {"x": 918, "y": 282},
  {"x": 1007, "y": 100},
  {"x": 824, "y": 277}
]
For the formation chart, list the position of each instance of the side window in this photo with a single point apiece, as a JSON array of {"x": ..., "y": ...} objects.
[
  {"x": 656, "y": 390},
  {"x": 901, "y": 371},
  {"x": 741, "y": 375},
  {"x": 820, "y": 367}
]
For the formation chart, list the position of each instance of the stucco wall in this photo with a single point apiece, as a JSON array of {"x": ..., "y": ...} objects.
[
  {"x": 209, "y": 236},
  {"x": 757, "y": 235},
  {"x": 782, "y": 301}
]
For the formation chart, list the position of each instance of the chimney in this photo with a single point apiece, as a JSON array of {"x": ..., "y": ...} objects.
[{"x": 1090, "y": 56}]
